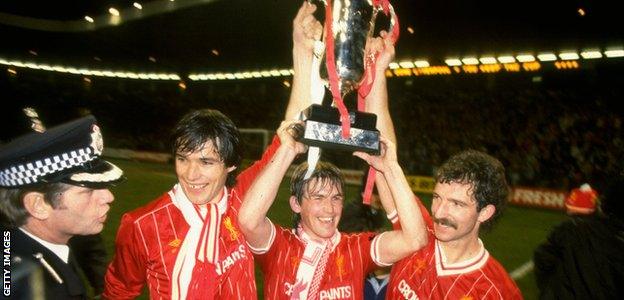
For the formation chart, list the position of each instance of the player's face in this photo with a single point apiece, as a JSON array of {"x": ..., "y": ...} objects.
[
  {"x": 81, "y": 211},
  {"x": 202, "y": 174},
  {"x": 454, "y": 211},
  {"x": 320, "y": 209}
]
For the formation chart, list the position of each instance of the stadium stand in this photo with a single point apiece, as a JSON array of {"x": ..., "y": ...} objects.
[{"x": 551, "y": 129}]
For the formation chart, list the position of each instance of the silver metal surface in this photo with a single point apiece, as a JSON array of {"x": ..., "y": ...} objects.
[
  {"x": 352, "y": 23},
  {"x": 329, "y": 136}
]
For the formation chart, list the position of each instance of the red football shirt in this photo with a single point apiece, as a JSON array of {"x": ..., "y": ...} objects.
[
  {"x": 149, "y": 238},
  {"x": 426, "y": 275},
  {"x": 345, "y": 272}
]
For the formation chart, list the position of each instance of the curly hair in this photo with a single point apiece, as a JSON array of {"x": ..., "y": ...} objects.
[{"x": 485, "y": 175}]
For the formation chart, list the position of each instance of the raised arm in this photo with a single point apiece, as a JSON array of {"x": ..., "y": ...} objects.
[
  {"x": 260, "y": 196},
  {"x": 377, "y": 103},
  {"x": 413, "y": 234},
  {"x": 394, "y": 190},
  {"x": 377, "y": 99},
  {"x": 306, "y": 30}
]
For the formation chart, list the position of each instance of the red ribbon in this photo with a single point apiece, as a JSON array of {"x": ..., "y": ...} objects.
[
  {"x": 368, "y": 188},
  {"x": 333, "y": 74},
  {"x": 365, "y": 86},
  {"x": 384, "y": 4}
]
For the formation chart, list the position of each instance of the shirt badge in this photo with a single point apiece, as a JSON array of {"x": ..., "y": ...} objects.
[
  {"x": 175, "y": 243},
  {"x": 340, "y": 269},
  {"x": 234, "y": 234},
  {"x": 294, "y": 261},
  {"x": 419, "y": 265}
]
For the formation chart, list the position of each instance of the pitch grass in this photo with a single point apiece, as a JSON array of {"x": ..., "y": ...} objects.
[{"x": 512, "y": 240}]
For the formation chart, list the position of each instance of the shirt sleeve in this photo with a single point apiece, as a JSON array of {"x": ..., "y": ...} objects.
[
  {"x": 374, "y": 251},
  {"x": 269, "y": 256},
  {"x": 246, "y": 177},
  {"x": 264, "y": 249},
  {"x": 365, "y": 248},
  {"x": 126, "y": 274}
]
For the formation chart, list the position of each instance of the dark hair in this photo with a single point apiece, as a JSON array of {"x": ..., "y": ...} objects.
[
  {"x": 325, "y": 173},
  {"x": 200, "y": 126},
  {"x": 485, "y": 175},
  {"x": 12, "y": 201}
]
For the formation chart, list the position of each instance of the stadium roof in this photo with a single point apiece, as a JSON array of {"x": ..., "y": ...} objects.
[{"x": 188, "y": 36}]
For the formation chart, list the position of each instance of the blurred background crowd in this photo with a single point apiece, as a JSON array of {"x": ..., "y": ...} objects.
[{"x": 551, "y": 129}]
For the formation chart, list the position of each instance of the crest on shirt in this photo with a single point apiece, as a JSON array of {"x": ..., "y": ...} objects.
[
  {"x": 234, "y": 234},
  {"x": 419, "y": 266},
  {"x": 175, "y": 243},
  {"x": 466, "y": 297},
  {"x": 294, "y": 261},
  {"x": 340, "y": 265}
]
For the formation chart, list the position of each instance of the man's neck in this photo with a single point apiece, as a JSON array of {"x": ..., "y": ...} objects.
[
  {"x": 309, "y": 235},
  {"x": 44, "y": 232},
  {"x": 461, "y": 250}
]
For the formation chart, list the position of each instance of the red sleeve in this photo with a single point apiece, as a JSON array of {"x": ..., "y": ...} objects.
[
  {"x": 268, "y": 259},
  {"x": 365, "y": 241},
  {"x": 125, "y": 276},
  {"x": 246, "y": 177}
]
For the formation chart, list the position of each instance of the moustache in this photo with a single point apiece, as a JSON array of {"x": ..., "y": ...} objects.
[{"x": 445, "y": 221}]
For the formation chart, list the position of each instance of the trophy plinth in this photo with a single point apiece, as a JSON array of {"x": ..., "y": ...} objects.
[{"x": 323, "y": 129}]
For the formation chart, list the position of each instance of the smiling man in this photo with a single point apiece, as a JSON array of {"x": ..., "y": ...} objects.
[
  {"x": 186, "y": 244},
  {"x": 314, "y": 260},
  {"x": 54, "y": 186},
  {"x": 470, "y": 193}
]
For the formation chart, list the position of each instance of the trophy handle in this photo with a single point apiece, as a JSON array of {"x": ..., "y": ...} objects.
[
  {"x": 387, "y": 8},
  {"x": 394, "y": 24}
]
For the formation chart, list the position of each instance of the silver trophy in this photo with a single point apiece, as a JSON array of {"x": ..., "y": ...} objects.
[{"x": 343, "y": 68}]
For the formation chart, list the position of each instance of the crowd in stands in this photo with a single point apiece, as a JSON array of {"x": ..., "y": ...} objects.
[
  {"x": 553, "y": 130},
  {"x": 554, "y": 136}
]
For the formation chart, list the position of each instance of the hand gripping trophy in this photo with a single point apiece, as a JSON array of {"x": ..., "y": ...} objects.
[{"x": 343, "y": 68}]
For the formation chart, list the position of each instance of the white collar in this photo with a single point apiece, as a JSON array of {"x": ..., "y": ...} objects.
[
  {"x": 306, "y": 238},
  {"x": 177, "y": 195},
  {"x": 62, "y": 251},
  {"x": 474, "y": 263}
]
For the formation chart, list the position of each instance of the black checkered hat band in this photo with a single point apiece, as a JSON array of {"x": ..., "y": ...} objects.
[{"x": 30, "y": 173}]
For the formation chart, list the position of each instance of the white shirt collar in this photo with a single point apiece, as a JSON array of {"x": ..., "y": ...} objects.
[
  {"x": 62, "y": 251},
  {"x": 305, "y": 238},
  {"x": 444, "y": 268}
]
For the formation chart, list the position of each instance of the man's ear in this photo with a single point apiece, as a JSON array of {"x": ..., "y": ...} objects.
[
  {"x": 294, "y": 204},
  {"x": 486, "y": 213},
  {"x": 36, "y": 206},
  {"x": 230, "y": 169}
]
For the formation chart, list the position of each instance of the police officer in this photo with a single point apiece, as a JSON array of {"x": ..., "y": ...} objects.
[{"x": 54, "y": 185}]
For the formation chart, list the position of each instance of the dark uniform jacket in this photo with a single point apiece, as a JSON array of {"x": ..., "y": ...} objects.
[
  {"x": 23, "y": 250},
  {"x": 583, "y": 258}
]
